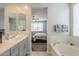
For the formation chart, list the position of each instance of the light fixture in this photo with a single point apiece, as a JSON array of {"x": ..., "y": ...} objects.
[{"x": 34, "y": 17}]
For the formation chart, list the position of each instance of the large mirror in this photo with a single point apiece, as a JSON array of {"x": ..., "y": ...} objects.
[
  {"x": 22, "y": 22},
  {"x": 12, "y": 23}
]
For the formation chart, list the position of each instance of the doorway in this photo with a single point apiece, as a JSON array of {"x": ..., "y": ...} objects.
[{"x": 39, "y": 29}]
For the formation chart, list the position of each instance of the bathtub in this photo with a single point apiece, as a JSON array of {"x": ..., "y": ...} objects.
[{"x": 64, "y": 50}]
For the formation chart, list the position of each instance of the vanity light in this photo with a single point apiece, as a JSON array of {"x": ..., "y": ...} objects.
[{"x": 36, "y": 18}]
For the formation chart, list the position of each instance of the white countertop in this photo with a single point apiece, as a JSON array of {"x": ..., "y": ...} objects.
[{"x": 7, "y": 44}]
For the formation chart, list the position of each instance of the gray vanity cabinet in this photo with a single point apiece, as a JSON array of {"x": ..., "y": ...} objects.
[
  {"x": 14, "y": 50},
  {"x": 6, "y": 53},
  {"x": 19, "y": 49},
  {"x": 25, "y": 46},
  {"x": 22, "y": 48}
]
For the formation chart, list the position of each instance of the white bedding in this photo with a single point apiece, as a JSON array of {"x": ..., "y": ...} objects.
[{"x": 42, "y": 36}]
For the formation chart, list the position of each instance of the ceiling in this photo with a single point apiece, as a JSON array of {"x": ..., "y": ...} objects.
[
  {"x": 32, "y": 5},
  {"x": 37, "y": 5}
]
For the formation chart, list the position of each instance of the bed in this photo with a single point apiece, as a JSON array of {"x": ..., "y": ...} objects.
[{"x": 41, "y": 36}]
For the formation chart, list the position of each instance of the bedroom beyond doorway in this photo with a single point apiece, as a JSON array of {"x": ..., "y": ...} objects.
[{"x": 39, "y": 29}]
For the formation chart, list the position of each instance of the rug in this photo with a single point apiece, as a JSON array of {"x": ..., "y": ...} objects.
[{"x": 39, "y": 47}]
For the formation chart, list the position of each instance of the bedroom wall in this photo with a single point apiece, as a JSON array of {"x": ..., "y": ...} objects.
[
  {"x": 57, "y": 14},
  {"x": 40, "y": 12}
]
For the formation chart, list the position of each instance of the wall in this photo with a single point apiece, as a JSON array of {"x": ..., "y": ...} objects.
[
  {"x": 1, "y": 18},
  {"x": 74, "y": 8},
  {"x": 57, "y": 14},
  {"x": 76, "y": 20},
  {"x": 40, "y": 12}
]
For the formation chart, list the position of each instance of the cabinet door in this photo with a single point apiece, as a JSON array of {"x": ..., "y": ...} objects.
[
  {"x": 28, "y": 46},
  {"x": 15, "y": 50},
  {"x": 21, "y": 48},
  {"x": 6, "y": 53},
  {"x": 25, "y": 46}
]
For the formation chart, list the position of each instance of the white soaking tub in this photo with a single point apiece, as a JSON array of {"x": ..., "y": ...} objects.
[{"x": 64, "y": 50}]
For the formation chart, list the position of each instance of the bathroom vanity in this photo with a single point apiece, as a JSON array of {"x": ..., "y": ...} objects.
[
  {"x": 17, "y": 34},
  {"x": 15, "y": 47}
]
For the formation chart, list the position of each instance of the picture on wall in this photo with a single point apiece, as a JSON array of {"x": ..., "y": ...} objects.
[
  {"x": 64, "y": 28},
  {"x": 61, "y": 28}
]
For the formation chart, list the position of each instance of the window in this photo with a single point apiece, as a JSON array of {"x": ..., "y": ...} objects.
[{"x": 37, "y": 26}]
